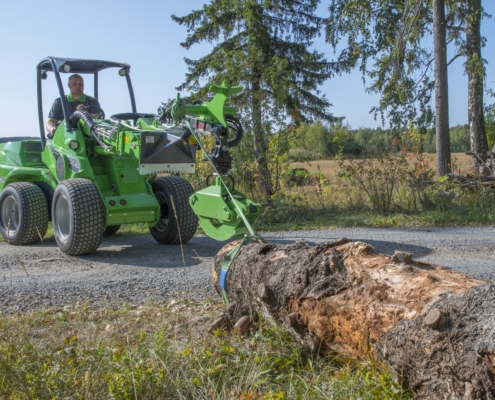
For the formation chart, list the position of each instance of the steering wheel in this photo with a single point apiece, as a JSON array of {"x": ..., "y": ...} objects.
[{"x": 99, "y": 114}]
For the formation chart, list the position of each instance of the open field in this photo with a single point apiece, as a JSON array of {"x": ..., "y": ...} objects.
[{"x": 460, "y": 161}]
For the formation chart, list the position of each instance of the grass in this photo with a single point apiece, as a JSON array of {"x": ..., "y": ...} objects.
[
  {"x": 352, "y": 219},
  {"x": 163, "y": 351},
  {"x": 309, "y": 213}
]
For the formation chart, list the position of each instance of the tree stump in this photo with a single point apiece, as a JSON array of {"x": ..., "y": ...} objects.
[{"x": 434, "y": 327}]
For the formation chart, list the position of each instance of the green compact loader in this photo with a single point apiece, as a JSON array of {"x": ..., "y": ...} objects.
[{"x": 96, "y": 173}]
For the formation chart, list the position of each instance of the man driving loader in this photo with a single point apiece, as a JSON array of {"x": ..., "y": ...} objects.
[{"x": 76, "y": 100}]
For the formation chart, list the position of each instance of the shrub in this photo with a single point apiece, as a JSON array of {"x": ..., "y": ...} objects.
[{"x": 378, "y": 177}]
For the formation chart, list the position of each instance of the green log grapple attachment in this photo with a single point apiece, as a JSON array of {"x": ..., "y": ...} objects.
[{"x": 223, "y": 211}]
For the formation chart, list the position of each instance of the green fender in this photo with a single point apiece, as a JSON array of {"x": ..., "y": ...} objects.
[{"x": 9, "y": 174}]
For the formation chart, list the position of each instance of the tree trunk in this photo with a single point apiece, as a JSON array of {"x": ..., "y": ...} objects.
[
  {"x": 441, "y": 89},
  {"x": 434, "y": 327},
  {"x": 256, "y": 31},
  {"x": 260, "y": 145},
  {"x": 475, "y": 74}
]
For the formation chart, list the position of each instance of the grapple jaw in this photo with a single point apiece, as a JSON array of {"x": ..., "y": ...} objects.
[{"x": 219, "y": 212}]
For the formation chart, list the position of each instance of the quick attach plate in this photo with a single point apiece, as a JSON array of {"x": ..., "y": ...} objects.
[{"x": 166, "y": 152}]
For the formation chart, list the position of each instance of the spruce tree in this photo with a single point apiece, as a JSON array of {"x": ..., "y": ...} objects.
[{"x": 264, "y": 45}]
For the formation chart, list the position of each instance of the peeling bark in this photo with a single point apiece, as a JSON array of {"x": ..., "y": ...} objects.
[{"x": 434, "y": 327}]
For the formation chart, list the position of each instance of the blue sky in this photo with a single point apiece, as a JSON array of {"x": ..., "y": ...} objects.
[{"x": 143, "y": 35}]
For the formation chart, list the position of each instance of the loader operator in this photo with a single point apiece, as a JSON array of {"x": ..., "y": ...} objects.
[{"x": 76, "y": 100}]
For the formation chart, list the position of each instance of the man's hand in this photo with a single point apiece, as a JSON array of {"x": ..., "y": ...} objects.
[
  {"x": 51, "y": 127},
  {"x": 80, "y": 107}
]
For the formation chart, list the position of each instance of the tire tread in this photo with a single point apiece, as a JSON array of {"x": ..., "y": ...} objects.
[
  {"x": 180, "y": 191},
  {"x": 89, "y": 216},
  {"x": 34, "y": 210}
]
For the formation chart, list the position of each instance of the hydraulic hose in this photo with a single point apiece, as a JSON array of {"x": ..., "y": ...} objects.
[
  {"x": 78, "y": 115},
  {"x": 236, "y": 126}
]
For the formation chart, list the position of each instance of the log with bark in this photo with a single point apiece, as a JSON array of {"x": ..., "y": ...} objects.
[{"x": 434, "y": 328}]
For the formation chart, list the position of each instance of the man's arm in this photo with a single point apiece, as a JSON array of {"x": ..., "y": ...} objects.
[{"x": 55, "y": 115}]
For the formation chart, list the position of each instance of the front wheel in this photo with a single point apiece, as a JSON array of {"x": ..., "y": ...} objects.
[
  {"x": 78, "y": 216},
  {"x": 177, "y": 222},
  {"x": 23, "y": 213}
]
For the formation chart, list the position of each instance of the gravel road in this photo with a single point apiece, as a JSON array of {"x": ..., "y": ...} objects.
[{"x": 135, "y": 269}]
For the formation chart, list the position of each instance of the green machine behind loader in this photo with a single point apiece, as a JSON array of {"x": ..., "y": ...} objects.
[{"x": 98, "y": 173}]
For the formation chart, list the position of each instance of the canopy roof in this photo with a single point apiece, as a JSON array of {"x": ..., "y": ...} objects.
[{"x": 78, "y": 66}]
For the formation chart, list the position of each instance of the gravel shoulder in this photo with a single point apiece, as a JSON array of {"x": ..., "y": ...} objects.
[{"x": 135, "y": 269}]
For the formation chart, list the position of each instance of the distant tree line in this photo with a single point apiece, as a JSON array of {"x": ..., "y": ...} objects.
[{"x": 318, "y": 140}]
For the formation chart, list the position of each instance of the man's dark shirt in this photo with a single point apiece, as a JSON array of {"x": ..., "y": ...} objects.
[{"x": 57, "y": 114}]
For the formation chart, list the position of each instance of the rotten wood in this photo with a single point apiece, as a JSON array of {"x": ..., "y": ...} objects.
[{"x": 345, "y": 299}]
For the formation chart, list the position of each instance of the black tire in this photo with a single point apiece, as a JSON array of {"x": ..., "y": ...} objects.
[
  {"x": 23, "y": 213},
  {"x": 17, "y": 139},
  {"x": 78, "y": 216},
  {"x": 179, "y": 225},
  {"x": 111, "y": 230}
]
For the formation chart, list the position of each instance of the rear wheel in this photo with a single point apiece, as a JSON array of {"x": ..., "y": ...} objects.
[
  {"x": 23, "y": 213},
  {"x": 178, "y": 222},
  {"x": 78, "y": 216}
]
